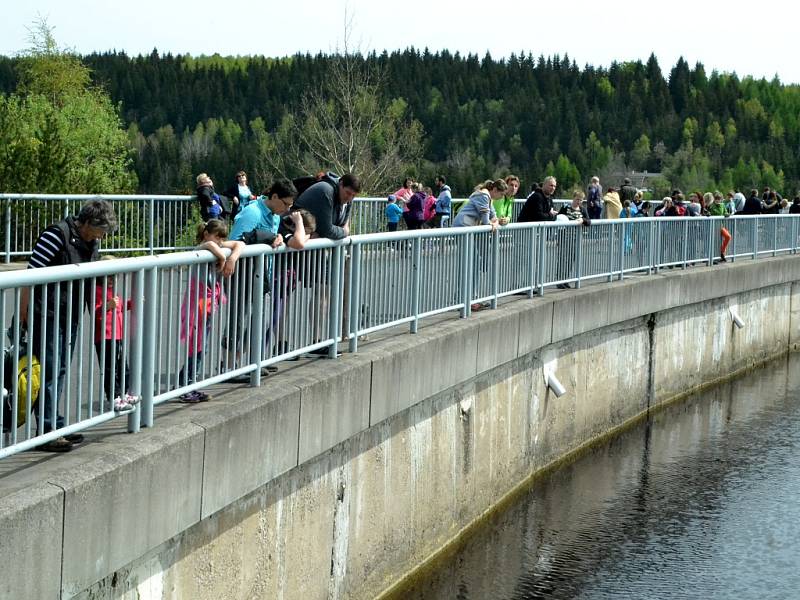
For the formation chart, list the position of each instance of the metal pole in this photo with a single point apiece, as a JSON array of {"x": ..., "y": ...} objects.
[
  {"x": 335, "y": 308},
  {"x": 8, "y": 230},
  {"x": 611, "y": 228},
  {"x": 257, "y": 312},
  {"x": 495, "y": 267},
  {"x": 532, "y": 262},
  {"x": 579, "y": 258},
  {"x": 139, "y": 296},
  {"x": 755, "y": 221},
  {"x": 415, "y": 282},
  {"x": 355, "y": 295},
  {"x": 542, "y": 233},
  {"x": 149, "y": 335},
  {"x": 152, "y": 225}
]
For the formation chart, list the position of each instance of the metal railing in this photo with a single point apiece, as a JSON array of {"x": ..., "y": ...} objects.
[
  {"x": 147, "y": 224},
  {"x": 163, "y": 326}
]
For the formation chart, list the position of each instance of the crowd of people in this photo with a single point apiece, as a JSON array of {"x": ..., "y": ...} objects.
[{"x": 290, "y": 213}]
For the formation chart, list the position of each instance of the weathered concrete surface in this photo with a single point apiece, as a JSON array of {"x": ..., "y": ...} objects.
[
  {"x": 119, "y": 507},
  {"x": 334, "y": 483},
  {"x": 248, "y": 445},
  {"x": 31, "y": 523}
]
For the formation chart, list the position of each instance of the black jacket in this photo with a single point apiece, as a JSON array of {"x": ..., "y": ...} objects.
[{"x": 536, "y": 208}]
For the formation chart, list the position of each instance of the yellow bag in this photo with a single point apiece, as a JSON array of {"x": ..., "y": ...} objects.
[{"x": 22, "y": 390}]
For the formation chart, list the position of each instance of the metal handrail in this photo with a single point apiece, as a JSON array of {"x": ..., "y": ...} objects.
[{"x": 187, "y": 327}]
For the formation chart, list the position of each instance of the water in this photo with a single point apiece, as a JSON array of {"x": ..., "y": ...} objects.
[{"x": 702, "y": 501}]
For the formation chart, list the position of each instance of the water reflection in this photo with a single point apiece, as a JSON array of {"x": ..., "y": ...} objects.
[{"x": 702, "y": 501}]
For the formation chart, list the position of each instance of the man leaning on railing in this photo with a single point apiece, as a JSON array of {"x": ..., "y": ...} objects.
[{"x": 71, "y": 241}]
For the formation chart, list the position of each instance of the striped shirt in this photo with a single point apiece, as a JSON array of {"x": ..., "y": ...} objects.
[{"x": 49, "y": 244}]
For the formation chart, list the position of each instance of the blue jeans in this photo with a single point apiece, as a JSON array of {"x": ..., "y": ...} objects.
[{"x": 54, "y": 354}]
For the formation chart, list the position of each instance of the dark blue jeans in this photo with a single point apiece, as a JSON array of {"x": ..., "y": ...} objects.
[{"x": 55, "y": 353}]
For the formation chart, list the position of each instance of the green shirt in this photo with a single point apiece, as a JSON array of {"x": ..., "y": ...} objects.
[
  {"x": 504, "y": 207},
  {"x": 717, "y": 209}
]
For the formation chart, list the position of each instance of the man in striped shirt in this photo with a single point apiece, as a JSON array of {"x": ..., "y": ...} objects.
[{"x": 54, "y": 321}]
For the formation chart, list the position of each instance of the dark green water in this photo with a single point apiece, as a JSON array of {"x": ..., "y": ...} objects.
[{"x": 702, "y": 501}]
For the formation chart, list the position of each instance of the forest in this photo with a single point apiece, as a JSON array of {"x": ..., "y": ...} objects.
[{"x": 466, "y": 117}]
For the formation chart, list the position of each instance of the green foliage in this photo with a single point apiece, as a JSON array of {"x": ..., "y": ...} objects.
[
  {"x": 466, "y": 117},
  {"x": 57, "y": 133}
]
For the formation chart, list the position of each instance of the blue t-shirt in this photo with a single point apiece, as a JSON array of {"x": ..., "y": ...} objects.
[
  {"x": 254, "y": 216},
  {"x": 393, "y": 213}
]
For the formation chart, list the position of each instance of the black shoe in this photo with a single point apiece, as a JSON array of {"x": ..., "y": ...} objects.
[
  {"x": 75, "y": 438},
  {"x": 722, "y": 258},
  {"x": 269, "y": 370},
  {"x": 322, "y": 352},
  {"x": 561, "y": 286},
  {"x": 61, "y": 444}
]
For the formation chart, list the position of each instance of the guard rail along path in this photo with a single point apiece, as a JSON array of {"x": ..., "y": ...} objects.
[
  {"x": 183, "y": 327},
  {"x": 147, "y": 224}
]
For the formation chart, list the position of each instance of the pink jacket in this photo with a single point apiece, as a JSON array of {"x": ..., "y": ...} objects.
[
  {"x": 430, "y": 207},
  {"x": 199, "y": 304},
  {"x": 114, "y": 318}
]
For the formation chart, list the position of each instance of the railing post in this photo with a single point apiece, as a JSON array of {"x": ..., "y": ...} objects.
[
  {"x": 139, "y": 296},
  {"x": 354, "y": 282},
  {"x": 257, "y": 313},
  {"x": 335, "y": 305},
  {"x": 8, "y": 230},
  {"x": 710, "y": 245},
  {"x": 794, "y": 235},
  {"x": 611, "y": 227},
  {"x": 655, "y": 238},
  {"x": 755, "y": 236},
  {"x": 149, "y": 335},
  {"x": 542, "y": 233},
  {"x": 495, "y": 267},
  {"x": 623, "y": 225},
  {"x": 733, "y": 235},
  {"x": 532, "y": 262},
  {"x": 579, "y": 258},
  {"x": 466, "y": 275},
  {"x": 775, "y": 236},
  {"x": 685, "y": 241},
  {"x": 152, "y": 226},
  {"x": 416, "y": 251}
]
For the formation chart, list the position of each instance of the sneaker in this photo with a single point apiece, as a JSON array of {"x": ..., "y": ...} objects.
[
  {"x": 194, "y": 397},
  {"x": 74, "y": 438},
  {"x": 269, "y": 370},
  {"x": 121, "y": 404},
  {"x": 61, "y": 444},
  {"x": 131, "y": 399}
]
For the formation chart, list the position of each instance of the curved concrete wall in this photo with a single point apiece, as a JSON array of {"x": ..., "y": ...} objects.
[{"x": 335, "y": 482}]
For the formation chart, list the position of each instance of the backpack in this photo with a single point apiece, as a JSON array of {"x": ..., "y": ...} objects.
[
  {"x": 301, "y": 184},
  {"x": 22, "y": 385}
]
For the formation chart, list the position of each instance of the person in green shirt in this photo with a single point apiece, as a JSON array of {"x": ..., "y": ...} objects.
[
  {"x": 504, "y": 207},
  {"x": 716, "y": 208}
]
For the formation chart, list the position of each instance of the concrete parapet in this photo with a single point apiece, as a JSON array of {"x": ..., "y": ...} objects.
[
  {"x": 248, "y": 443},
  {"x": 120, "y": 506},
  {"x": 409, "y": 369},
  {"x": 31, "y": 522},
  {"x": 334, "y": 402}
]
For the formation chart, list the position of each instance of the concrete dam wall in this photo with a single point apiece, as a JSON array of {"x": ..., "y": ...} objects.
[{"x": 338, "y": 478}]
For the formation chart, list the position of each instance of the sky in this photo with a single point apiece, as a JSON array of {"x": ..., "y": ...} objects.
[{"x": 758, "y": 39}]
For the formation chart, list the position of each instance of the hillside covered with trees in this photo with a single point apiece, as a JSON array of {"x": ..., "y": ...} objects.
[{"x": 466, "y": 117}]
